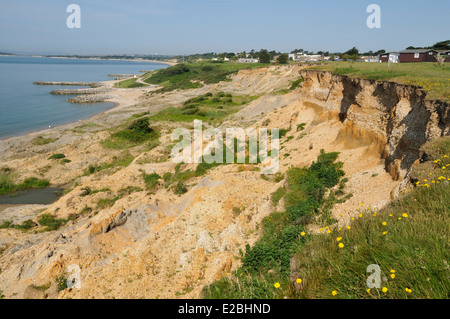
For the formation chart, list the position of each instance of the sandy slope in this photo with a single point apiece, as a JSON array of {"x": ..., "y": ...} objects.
[{"x": 170, "y": 246}]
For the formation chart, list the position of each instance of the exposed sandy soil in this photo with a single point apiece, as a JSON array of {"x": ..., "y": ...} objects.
[{"x": 170, "y": 246}]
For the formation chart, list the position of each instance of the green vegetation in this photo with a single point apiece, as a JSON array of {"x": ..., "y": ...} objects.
[
  {"x": 208, "y": 107},
  {"x": 26, "y": 225},
  {"x": 129, "y": 84},
  {"x": 7, "y": 185},
  {"x": 151, "y": 181},
  {"x": 42, "y": 140},
  {"x": 57, "y": 156},
  {"x": 51, "y": 222},
  {"x": 434, "y": 79},
  {"x": 122, "y": 161},
  {"x": 284, "y": 232},
  {"x": 135, "y": 134},
  {"x": 408, "y": 240},
  {"x": 61, "y": 282},
  {"x": 189, "y": 76},
  {"x": 278, "y": 195},
  {"x": 283, "y": 59}
]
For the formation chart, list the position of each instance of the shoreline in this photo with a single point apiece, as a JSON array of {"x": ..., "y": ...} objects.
[{"x": 116, "y": 103}]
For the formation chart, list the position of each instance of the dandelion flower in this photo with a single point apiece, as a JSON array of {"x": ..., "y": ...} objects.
[
  {"x": 392, "y": 271},
  {"x": 368, "y": 291},
  {"x": 341, "y": 245},
  {"x": 360, "y": 215},
  {"x": 348, "y": 227},
  {"x": 385, "y": 290},
  {"x": 334, "y": 293},
  {"x": 384, "y": 223},
  {"x": 339, "y": 238},
  {"x": 299, "y": 281},
  {"x": 405, "y": 215},
  {"x": 277, "y": 285},
  {"x": 302, "y": 233},
  {"x": 385, "y": 233},
  {"x": 392, "y": 276}
]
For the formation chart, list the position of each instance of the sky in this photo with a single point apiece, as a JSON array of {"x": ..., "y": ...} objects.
[{"x": 175, "y": 27}]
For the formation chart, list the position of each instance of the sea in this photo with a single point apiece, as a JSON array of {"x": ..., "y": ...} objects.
[{"x": 25, "y": 107}]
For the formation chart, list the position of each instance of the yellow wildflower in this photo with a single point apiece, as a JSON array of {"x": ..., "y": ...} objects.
[
  {"x": 277, "y": 285},
  {"x": 341, "y": 245},
  {"x": 299, "y": 281},
  {"x": 385, "y": 290},
  {"x": 334, "y": 293}
]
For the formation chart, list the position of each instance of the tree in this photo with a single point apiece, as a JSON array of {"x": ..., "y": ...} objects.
[
  {"x": 352, "y": 51},
  {"x": 264, "y": 56},
  {"x": 283, "y": 59},
  {"x": 443, "y": 45}
]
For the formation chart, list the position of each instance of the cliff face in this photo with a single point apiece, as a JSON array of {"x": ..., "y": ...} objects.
[{"x": 395, "y": 119}]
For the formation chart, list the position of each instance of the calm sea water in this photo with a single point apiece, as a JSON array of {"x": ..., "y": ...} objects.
[{"x": 26, "y": 107}]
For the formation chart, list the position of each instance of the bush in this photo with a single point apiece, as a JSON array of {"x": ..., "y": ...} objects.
[
  {"x": 57, "y": 156},
  {"x": 51, "y": 222},
  {"x": 151, "y": 181}
]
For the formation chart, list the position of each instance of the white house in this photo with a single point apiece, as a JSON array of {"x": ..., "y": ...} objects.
[{"x": 248, "y": 60}]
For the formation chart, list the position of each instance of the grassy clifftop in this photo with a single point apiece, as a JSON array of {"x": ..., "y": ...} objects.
[{"x": 433, "y": 78}]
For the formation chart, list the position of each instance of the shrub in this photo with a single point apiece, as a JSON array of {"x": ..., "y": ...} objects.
[
  {"x": 57, "y": 156},
  {"x": 51, "y": 222},
  {"x": 151, "y": 181}
]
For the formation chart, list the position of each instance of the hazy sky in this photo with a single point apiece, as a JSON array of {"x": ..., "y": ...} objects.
[{"x": 198, "y": 26}]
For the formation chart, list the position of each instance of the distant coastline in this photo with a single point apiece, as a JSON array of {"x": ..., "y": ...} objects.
[{"x": 110, "y": 59}]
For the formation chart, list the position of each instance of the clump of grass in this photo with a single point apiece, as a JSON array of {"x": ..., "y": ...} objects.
[
  {"x": 151, "y": 181},
  {"x": 51, "y": 222},
  {"x": 122, "y": 161},
  {"x": 278, "y": 195},
  {"x": 57, "y": 156},
  {"x": 135, "y": 134},
  {"x": 40, "y": 140},
  {"x": 296, "y": 84}
]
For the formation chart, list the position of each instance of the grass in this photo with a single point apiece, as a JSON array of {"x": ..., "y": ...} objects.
[
  {"x": 42, "y": 141},
  {"x": 51, "y": 222},
  {"x": 195, "y": 75},
  {"x": 435, "y": 80},
  {"x": 283, "y": 232},
  {"x": 129, "y": 84},
  {"x": 208, "y": 107},
  {"x": 408, "y": 240},
  {"x": 57, "y": 156},
  {"x": 122, "y": 161},
  {"x": 278, "y": 195},
  {"x": 7, "y": 184},
  {"x": 135, "y": 134},
  {"x": 151, "y": 181}
]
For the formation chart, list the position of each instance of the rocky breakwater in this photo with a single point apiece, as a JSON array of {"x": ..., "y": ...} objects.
[
  {"x": 91, "y": 84},
  {"x": 80, "y": 91},
  {"x": 395, "y": 119},
  {"x": 91, "y": 98}
]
